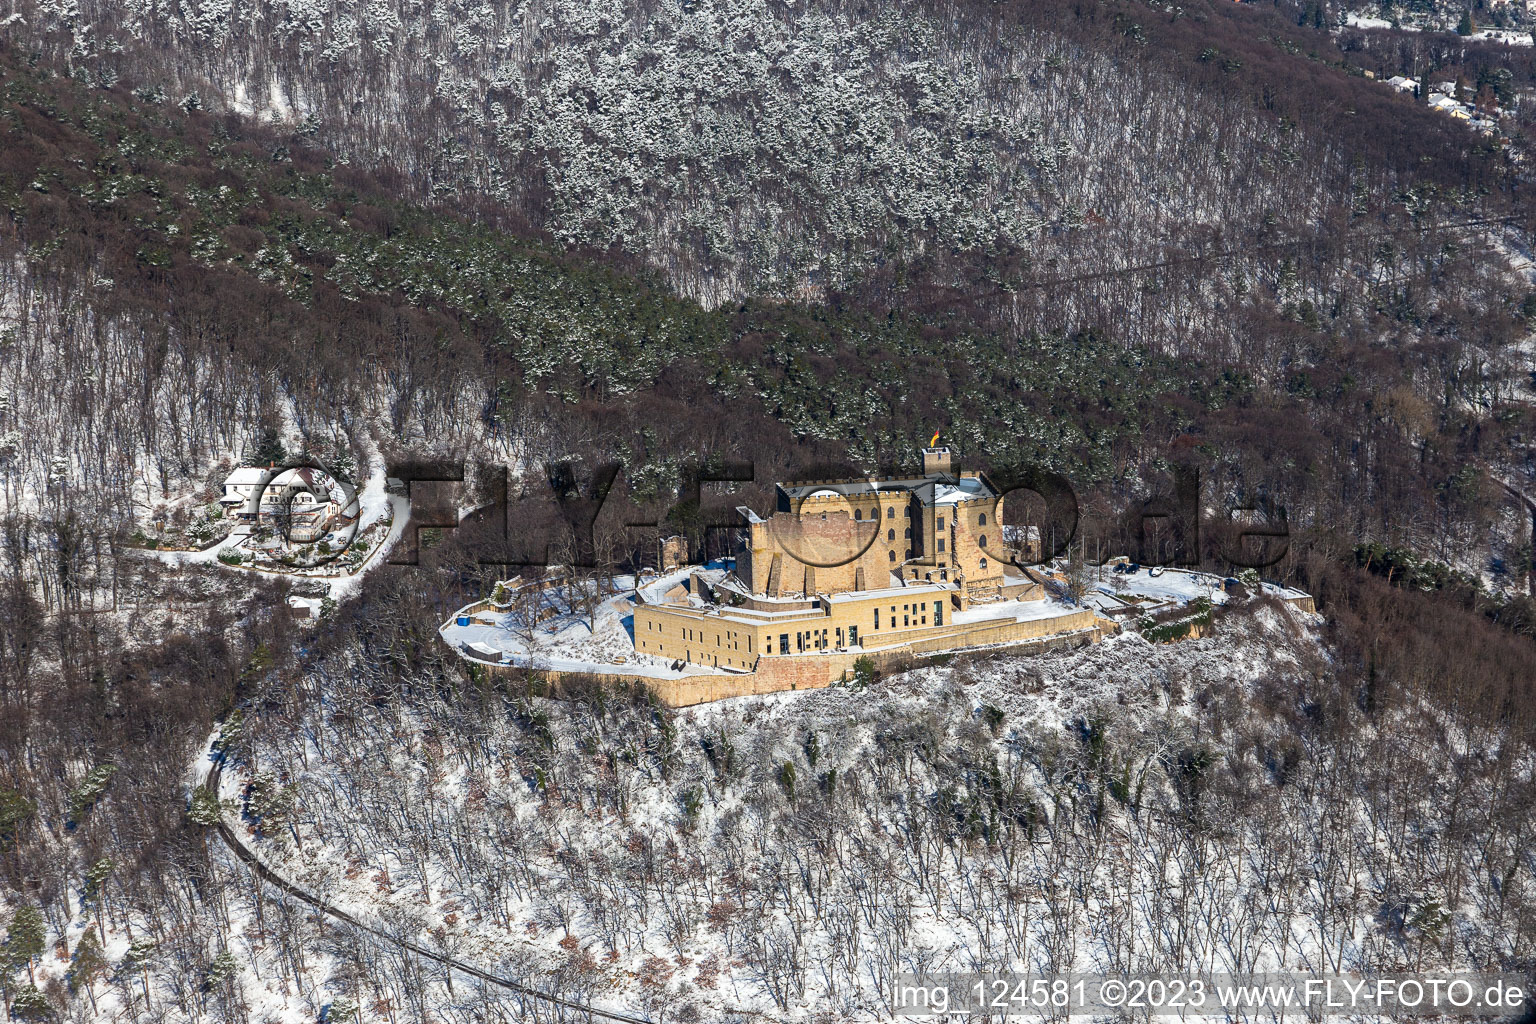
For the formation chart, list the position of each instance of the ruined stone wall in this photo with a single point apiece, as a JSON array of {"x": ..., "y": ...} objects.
[{"x": 825, "y": 549}]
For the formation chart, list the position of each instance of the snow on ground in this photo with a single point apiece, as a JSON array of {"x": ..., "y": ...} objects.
[
  {"x": 399, "y": 507},
  {"x": 373, "y": 499},
  {"x": 655, "y": 590},
  {"x": 1154, "y": 588},
  {"x": 180, "y": 558},
  {"x": 539, "y": 836},
  {"x": 1509, "y": 37},
  {"x": 278, "y": 105},
  {"x": 1354, "y": 20},
  {"x": 342, "y": 584},
  {"x": 568, "y": 642},
  {"x": 1018, "y": 611},
  {"x": 375, "y": 505}
]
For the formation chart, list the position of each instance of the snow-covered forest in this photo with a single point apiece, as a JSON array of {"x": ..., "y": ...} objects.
[
  {"x": 1124, "y": 808},
  {"x": 1255, "y": 800},
  {"x": 744, "y": 147},
  {"x": 178, "y": 285},
  {"x": 1107, "y": 240}
]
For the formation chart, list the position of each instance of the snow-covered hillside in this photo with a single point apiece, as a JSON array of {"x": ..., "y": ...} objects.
[
  {"x": 738, "y": 146},
  {"x": 1212, "y": 804}
]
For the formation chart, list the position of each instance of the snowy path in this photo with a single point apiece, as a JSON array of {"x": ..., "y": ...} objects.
[
  {"x": 345, "y": 586},
  {"x": 372, "y": 499},
  {"x": 231, "y": 838},
  {"x": 192, "y": 557}
]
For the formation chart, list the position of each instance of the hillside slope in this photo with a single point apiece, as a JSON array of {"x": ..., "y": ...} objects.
[
  {"x": 183, "y": 289},
  {"x": 744, "y": 148},
  {"x": 178, "y": 284}
]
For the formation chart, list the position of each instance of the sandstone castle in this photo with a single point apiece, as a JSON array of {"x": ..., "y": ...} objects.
[{"x": 845, "y": 567}]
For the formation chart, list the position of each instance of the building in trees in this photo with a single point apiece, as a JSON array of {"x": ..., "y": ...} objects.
[
  {"x": 241, "y": 489},
  {"x": 301, "y": 503}
]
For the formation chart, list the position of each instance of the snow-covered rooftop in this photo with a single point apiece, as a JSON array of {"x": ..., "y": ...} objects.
[
  {"x": 940, "y": 489},
  {"x": 903, "y": 591},
  {"x": 245, "y": 476},
  {"x": 965, "y": 489}
]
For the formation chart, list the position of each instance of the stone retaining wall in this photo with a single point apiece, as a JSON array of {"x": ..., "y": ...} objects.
[{"x": 780, "y": 673}]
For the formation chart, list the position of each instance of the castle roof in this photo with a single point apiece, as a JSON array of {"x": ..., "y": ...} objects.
[{"x": 928, "y": 490}]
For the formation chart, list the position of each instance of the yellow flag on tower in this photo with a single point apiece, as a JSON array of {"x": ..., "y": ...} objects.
[{"x": 935, "y": 440}]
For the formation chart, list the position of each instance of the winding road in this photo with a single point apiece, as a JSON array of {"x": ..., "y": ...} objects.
[{"x": 238, "y": 847}]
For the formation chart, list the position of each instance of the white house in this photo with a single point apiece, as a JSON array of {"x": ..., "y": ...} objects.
[
  {"x": 302, "y": 486},
  {"x": 308, "y": 500},
  {"x": 1402, "y": 84},
  {"x": 240, "y": 487}
]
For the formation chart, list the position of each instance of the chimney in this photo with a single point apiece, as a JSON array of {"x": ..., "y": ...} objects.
[{"x": 937, "y": 461}]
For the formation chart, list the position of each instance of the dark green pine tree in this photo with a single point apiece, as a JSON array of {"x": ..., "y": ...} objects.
[
  {"x": 88, "y": 965},
  {"x": 24, "y": 939},
  {"x": 268, "y": 449}
]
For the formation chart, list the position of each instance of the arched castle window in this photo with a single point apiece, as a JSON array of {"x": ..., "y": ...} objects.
[
  {"x": 982, "y": 540},
  {"x": 890, "y": 534},
  {"x": 981, "y": 520},
  {"x": 983, "y": 563},
  {"x": 891, "y": 556},
  {"x": 858, "y": 513},
  {"x": 907, "y": 511},
  {"x": 909, "y": 531},
  {"x": 890, "y": 513}
]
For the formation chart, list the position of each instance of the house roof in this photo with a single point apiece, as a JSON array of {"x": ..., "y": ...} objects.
[
  {"x": 301, "y": 475},
  {"x": 245, "y": 476}
]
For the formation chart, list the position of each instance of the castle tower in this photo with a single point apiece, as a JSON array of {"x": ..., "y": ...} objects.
[{"x": 938, "y": 461}]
